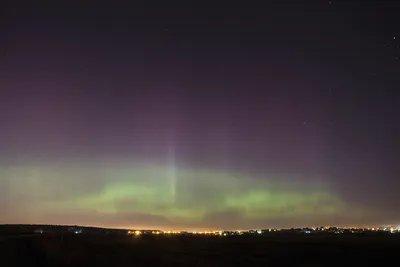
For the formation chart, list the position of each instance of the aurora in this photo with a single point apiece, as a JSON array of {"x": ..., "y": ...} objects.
[{"x": 151, "y": 195}]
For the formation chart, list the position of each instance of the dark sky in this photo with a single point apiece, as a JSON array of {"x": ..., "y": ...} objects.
[{"x": 195, "y": 116}]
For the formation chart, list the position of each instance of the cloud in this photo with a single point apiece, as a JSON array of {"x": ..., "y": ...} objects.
[
  {"x": 150, "y": 220},
  {"x": 231, "y": 218}
]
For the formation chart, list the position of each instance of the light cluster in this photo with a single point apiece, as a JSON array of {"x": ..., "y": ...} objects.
[{"x": 306, "y": 230}]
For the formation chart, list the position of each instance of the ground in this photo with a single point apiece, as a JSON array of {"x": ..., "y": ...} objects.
[{"x": 279, "y": 250}]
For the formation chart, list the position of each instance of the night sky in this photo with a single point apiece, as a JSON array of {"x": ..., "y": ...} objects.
[{"x": 226, "y": 116}]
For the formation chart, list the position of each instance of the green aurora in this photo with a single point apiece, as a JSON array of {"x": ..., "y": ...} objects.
[{"x": 169, "y": 196}]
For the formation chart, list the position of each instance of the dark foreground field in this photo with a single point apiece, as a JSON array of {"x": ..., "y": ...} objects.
[{"x": 81, "y": 250}]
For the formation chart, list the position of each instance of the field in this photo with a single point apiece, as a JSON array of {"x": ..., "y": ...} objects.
[{"x": 279, "y": 250}]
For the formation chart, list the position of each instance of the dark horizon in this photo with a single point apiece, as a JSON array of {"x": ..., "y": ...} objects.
[
  {"x": 363, "y": 229},
  {"x": 194, "y": 117}
]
